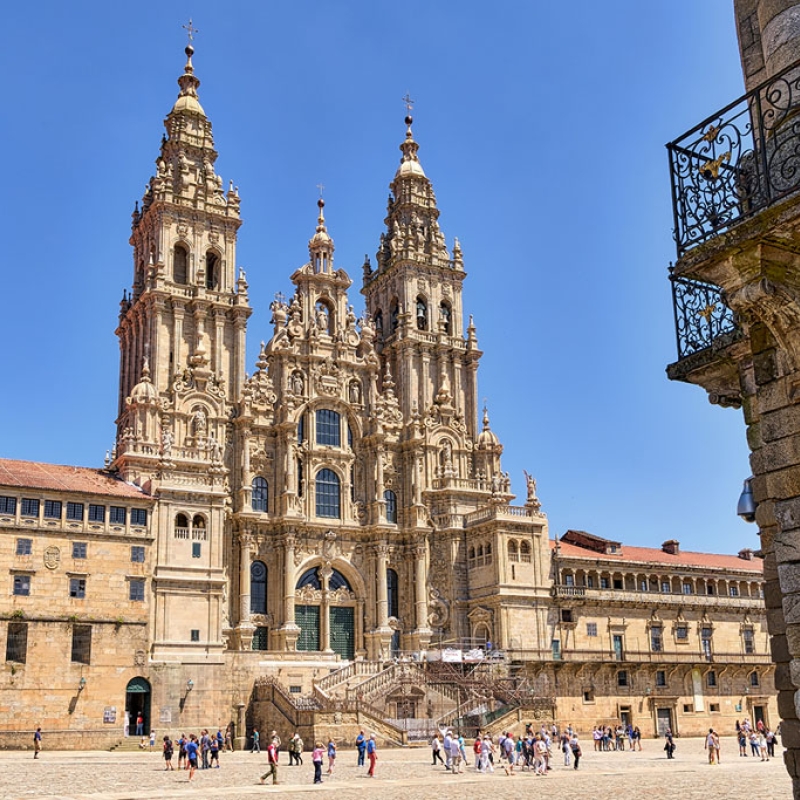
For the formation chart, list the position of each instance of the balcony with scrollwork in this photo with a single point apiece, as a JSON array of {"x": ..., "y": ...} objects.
[{"x": 735, "y": 180}]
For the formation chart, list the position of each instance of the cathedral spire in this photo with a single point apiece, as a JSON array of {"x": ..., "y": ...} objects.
[{"x": 320, "y": 246}]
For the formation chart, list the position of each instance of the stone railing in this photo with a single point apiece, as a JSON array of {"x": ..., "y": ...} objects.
[
  {"x": 502, "y": 512},
  {"x": 343, "y": 674}
]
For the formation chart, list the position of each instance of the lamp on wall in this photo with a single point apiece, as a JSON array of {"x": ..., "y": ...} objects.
[
  {"x": 81, "y": 684},
  {"x": 189, "y": 685},
  {"x": 746, "y": 507}
]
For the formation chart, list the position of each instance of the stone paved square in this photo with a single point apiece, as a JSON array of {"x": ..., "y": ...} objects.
[{"x": 401, "y": 775}]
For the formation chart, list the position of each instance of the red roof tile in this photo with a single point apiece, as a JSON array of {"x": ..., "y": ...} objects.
[
  {"x": 35, "y": 475},
  {"x": 644, "y": 555}
]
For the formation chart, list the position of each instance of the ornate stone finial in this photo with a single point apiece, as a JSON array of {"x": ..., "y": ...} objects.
[
  {"x": 485, "y": 416},
  {"x": 409, "y": 104}
]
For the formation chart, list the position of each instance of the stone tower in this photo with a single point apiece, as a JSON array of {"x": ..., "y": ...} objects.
[
  {"x": 736, "y": 290},
  {"x": 182, "y": 347}
]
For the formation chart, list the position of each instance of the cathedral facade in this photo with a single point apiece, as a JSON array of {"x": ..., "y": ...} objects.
[{"x": 306, "y": 535}]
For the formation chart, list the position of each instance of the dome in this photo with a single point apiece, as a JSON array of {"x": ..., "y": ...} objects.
[
  {"x": 188, "y": 102},
  {"x": 487, "y": 438},
  {"x": 144, "y": 392}
]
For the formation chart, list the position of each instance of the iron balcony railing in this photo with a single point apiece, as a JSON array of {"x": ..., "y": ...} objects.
[
  {"x": 701, "y": 316},
  {"x": 738, "y": 161}
]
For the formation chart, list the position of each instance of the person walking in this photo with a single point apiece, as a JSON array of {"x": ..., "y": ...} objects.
[
  {"x": 37, "y": 742},
  {"x": 214, "y": 750},
  {"x": 331, "y": 756},
  {"x": 361, "y": 746},
  {"x": 565, "y": 748},
  {"x": 182, "y": 752},
  {"x": 372, "y": 755},
  {"x": 576, "y": 750},
  {"x": 256, "y": 741},
  {"x": 298, "y": 750},
  {"x": 168, "y": 750},
  {"x": 436, "y": 750},
  {"x": 272, "y": 761},
  {"x": 709, "y": 746},
  {"x": 316, "y": 757},
  {"x": 228, "y": 739},
  {"x": 191, "y": 754},
  {"x": 139, "y": 724}
]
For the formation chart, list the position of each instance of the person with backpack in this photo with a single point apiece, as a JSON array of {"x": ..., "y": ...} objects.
[
  {"x": 168, "y": 750},
  {"x": 361, "y": 746}
]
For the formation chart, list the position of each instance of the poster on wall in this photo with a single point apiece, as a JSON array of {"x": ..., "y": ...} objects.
[
  {"x": 109, "y": 715},
  {"x": 165, "y": 716}
]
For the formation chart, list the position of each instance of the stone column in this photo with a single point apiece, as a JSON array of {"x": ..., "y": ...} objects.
[
  {"x": 245, "y": 629},
  {"x": 420, "y": 589},
  {"x": 381, "y": 560},
  {"x": 289, "y": 632},
  {"x": 324, "y": 611}
]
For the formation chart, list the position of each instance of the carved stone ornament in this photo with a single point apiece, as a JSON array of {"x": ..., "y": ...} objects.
[
  {"x": 330, "y": 546},
  {"x": 341, "y": 595},
  {"x": 438, "y": 608},
  {"x": 327, "y": 377},
  {"x": 308, "y": 594},
  {"x": 52, "y": 557}
]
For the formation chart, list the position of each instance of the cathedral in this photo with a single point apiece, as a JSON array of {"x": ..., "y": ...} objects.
[{"x": 327, "y": 536}]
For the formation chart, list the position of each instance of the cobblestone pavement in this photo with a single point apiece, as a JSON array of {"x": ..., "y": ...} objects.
[{"x": 401, "y": 775}]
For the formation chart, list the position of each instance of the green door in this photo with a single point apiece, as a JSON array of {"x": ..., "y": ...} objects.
[
  {"x": 307, "y": 618},
  {"x": 343, "y": 632}
]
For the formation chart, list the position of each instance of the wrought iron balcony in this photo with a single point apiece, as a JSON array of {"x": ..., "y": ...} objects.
[
  {"x": 701, "y": 316},
  {"x": 738, "y": 161}
]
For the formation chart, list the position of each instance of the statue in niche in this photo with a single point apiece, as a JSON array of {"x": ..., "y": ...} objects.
[
  {"x": 350, "y": 322},
  {"x": 495, "y": 483},
  {"x": 199, "y": 422},
  {"x": 167, "y": 440},
  {"x": 297, "y": 384},
  {"x": 322, "y": 318},
  {"x": 447, "y": 453},
  {"x": 355, "y": 392}
]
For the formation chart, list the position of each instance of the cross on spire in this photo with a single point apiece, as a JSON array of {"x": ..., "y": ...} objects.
[
  {"x": 321, "y": 187},
  {"x": 190, "y": 30},
  {"x": 409, "y": 103}
]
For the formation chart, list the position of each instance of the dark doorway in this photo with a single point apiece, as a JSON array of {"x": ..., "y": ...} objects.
[
  {"x": 758, "y": 715},
  {"x": 664, "y": 717},
  {"x": 137, "y": 701}
]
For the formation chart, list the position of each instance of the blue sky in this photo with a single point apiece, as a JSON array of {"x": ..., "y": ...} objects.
[{"x": 542, "y": 127}]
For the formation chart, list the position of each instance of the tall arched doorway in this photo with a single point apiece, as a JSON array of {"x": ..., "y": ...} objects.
[
  {"x": 325, "y": 612},
  {"x": 137, "y": 701}
]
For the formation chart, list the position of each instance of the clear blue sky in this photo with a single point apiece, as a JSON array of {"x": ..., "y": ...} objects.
[{"x": 542, "y": 127}]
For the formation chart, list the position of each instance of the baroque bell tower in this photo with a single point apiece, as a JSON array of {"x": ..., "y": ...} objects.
[{"x": 182, "y": 350}]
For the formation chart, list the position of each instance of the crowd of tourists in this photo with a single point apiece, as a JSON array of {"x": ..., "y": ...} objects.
[
  {"x": 608, "y": 738},
  {"x": 531, "y": 752}
]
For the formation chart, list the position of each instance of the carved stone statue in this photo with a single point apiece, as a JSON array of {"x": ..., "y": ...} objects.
[
  {"x": 297, "y": 384},
  {"x": 355, "y": 392},
  {"x": 167, "y": 440},
  {"x": 199, "y": 422},
  {"x": 322, "y": 319}
]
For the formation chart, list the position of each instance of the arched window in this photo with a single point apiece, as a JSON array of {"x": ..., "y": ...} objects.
[
  {"x": 311, "y": 578},
  {"x": 301, "y": 429},
  {"x": 181, "y": 530},
  {"x": 392, "y": 593},
  {"x": 379, "y": 324},
  {"x": 260, "y": 637},
  {"x": 328, "y": 494},
  {"x": 329, "y": 429},
  {"x": 513, "y": 551},
  {"x": 422, "y": 314},
  {"x": 258, "y": 588},
  {"x": 390, "y": 498},
  {"x": 212, "y": 270},
  {"x": 446, "y": 314},
  {"x": 180, "y": 262},
  {"x": 754, "y": 679},
  {"x": 525, "y": 552},
  {"x": 301, "y": 478},
  {"x": 393, "y": 313},
  {"x": 199, "y": 522},
  {"x": 260, "y": 495}
]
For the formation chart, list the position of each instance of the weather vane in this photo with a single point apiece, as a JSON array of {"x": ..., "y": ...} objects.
[
  {"x": 321, "y": 187},
  {"x": 190, "y": 30},
  {"x": 409, "y": 103}
]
